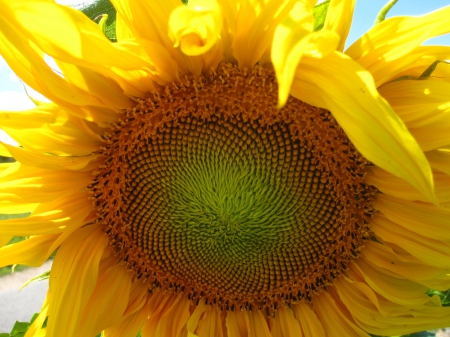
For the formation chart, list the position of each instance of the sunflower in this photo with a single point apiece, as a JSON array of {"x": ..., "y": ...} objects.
[{"x": 225, "y": 169}]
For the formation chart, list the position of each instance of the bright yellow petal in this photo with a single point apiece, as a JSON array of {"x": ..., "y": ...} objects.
[
  {"x": 4, "y": 239},
  {"x": 24, "y": 184},
  {"x": 150, "y": 21},
  {"x": 348, "y": 91},
  {"x": 173, "y": 323},
  {"x": 210, "y": 324},
  {"x": 51, "y": 218},
  {"x": 70, "y": 36},
  {"x": 107, "y": 303},
  {"x": 408, "y": 266},
  {"x": 130, "y": 326},
  {"x": 424, "y": 219},
  {"x": 48, "y": 128},
  {"x": 285, "y": 324},
  {"x": 335, "y": 318},
  {"x": 339, "y": 19},
  {"x": 424, "y": 106},
  {"x": 122, "y": 30},
  {"x": 31, "y": 252},
  {"x": 399, "y": 188},
  {"x": 257, "y": 324},
  {"x": 105, "y": 89},
  {"x": 196, "y": 27},
  {"x": 439, "y": 160},
  {"x": 160, "y": 304},
  {"x": 381, "y": 51},
  {"x": 294, "y": 38},
  {"x": 237, "y": 324},
  {"x": 389, "y": 318},
  {"x": 193, "y": 321},
  {"x": 26, "y": 157},
  {"x": 430, "y": 251},
  {"x": 7, "y": 207},
  {"x": 73, "y": 279},
  {"x": 255, "y": 25},
  {"x": 310, "y": 324},
  {"x": 35, "y": 330},
  {"x": 396, "y": 289}
]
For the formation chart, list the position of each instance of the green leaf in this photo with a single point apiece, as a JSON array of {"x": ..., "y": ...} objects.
[
  {"x": 320, "y": 13},
  {"x": 20, "y": 327},
  {"x": 44, "y": 276},
  {"x": 4, "y": 334},
  {"x": 94, "y": 9}
]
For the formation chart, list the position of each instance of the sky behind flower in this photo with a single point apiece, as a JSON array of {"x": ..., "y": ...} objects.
[{"x": 13, "y": 97}]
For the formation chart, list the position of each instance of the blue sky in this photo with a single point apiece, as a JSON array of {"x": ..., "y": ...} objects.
[{"x": 12, "y": 96}]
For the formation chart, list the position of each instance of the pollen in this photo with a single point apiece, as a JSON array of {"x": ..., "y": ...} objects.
[{"x": 208, "y": 189}]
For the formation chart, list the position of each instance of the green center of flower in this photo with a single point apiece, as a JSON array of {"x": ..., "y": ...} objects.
[{"x": 208, "y": 189}]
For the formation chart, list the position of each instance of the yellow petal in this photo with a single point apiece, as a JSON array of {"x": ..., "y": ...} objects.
[
  {"x": 4, "y": 153},
  {"x": 7, "y": 207},
  {"x": 130, "y": 326},
  {"x": 396, "y": 289},
  {"x": 173, "y": 323},
  {"x": 311, "y": 325},
  {"x": 31, "y": 252},
  {"x": 73, "y": 279},
  {"x": 51, "y": 218},
  {"x": 424, "y": 106},
  {"x": 26, "y": 157},
  {"x": 160, "y": 304},
  {"x": 123, "y": 32},
  {"x": 294, "y": 38},
  {"x": 35, "y": 328},
  {"x": 255, "y": 25},
  {"x": 348, "y": 91},
  {"x": 210, "y": 324},
  {"x": 150, "y": 21},
  {"x": 430, "y": 251},
  {"x": 381, "y": 51},
  {"x": 424, "y": 219},
  {"x": 4, "y": 239},
  {"x": 104, "y": 88},
  {"x": 47, "y": 128},
  {"x": 196, "y": 27},
  {"x": 193, "y": 321},
  {"x": 339, "y": 19},
  {"x": 390, "y": 318},
  {"x": 77, "y": 40},
  {"x": 138, "y": 297},
  {"x": 439, "y": 160},
  {"x": 399, "y": 188},
  {"x": 107, "y": 303},
  {"x": 418, "y": 103},
  {"x": 384, "y": 257},
  {"x": 285, "y": 324},
  {"x": 257, "y": 326},
  {"x": 237, "y": 324},
  {"x": 24, "y": 184},
  {"x": 335, "y": 318}
]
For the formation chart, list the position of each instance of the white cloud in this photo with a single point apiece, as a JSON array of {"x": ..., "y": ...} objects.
[
  {"x": 13, "y": 100},
  {"x": 13, "y": 77}
]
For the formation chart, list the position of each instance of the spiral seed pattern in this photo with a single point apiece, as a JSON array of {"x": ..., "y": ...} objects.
[{"x": 208, "y": 189}]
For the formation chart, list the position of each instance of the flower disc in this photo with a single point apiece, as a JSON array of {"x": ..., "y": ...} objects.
[{"x": 209, "y": 189}]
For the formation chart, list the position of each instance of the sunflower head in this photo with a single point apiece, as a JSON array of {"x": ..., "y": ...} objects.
[{"x": 225, "y": 169}]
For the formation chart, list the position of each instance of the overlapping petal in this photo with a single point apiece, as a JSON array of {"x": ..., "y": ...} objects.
[{"x": 347, "y": 90}]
